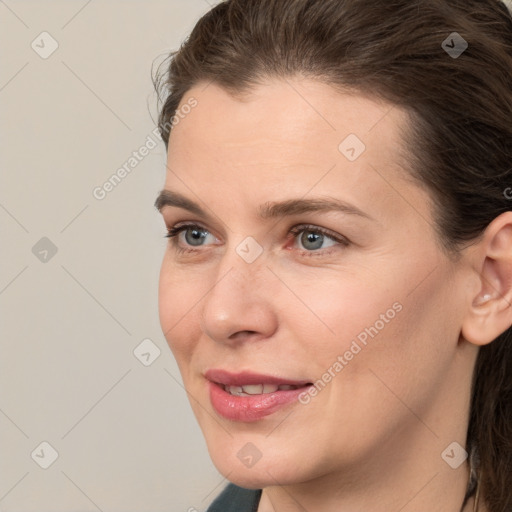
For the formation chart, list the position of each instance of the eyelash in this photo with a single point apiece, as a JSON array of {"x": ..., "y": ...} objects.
[{"x": 172, "y": 234}]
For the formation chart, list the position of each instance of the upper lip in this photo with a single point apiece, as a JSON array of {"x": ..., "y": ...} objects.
[{"x": 247, "y": 378}]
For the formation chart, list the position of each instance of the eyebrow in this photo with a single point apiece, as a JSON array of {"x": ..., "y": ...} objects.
[{"x": 268, "y": 210}]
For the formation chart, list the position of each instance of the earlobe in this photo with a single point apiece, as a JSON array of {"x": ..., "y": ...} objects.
[{"x": 490, "y": 312}]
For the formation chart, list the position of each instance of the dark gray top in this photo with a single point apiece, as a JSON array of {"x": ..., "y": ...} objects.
[{"x": 236, "y": 499}]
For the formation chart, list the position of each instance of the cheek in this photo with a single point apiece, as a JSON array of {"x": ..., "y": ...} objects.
[
  {"x": 409, "y": 358},
  {"x": 402, "y": 357},
  {"x": 178, "y": 297},
  {"x": 383, "y": 325},
  {"x": 343, "y": 307}
]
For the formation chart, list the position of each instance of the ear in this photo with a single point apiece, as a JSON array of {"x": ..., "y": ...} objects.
[{"x": 490, "y": 310}]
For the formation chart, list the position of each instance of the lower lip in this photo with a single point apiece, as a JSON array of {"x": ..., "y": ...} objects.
[{"x": 250, "y": 408}]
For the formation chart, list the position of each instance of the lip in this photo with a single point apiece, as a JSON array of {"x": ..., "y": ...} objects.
[
  {"x": 249, "y": 408},
  {"x": 248, "y": 378}
]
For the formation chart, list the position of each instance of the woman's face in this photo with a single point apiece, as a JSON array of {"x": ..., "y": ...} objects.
[{"x": 368, "y": 310}]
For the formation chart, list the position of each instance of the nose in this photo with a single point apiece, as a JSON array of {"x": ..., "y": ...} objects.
[{"x": 239, "y": 305}]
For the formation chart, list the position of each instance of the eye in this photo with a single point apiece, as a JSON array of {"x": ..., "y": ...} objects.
[
  {"x": 313, "y": 238},
  {"x": 194, "y": 234},
  {"x": 311, "y": 242}
]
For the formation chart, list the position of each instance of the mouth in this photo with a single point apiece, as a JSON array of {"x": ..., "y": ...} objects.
[
  {"x": 256, "y": 389},
  {"x": 249, "y": 397}
]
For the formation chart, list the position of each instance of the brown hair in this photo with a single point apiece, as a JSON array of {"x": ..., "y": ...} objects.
[{"x": 460, "y": 143}]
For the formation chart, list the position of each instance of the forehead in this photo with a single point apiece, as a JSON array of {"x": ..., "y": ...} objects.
[
  {"x": 289, "y": 137},
  {"x": 285, "y": 112}
]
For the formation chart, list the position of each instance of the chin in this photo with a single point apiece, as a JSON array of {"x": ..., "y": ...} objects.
[
  {"x": 239, "y": 461},
  {"x": 257, "y": 478}
]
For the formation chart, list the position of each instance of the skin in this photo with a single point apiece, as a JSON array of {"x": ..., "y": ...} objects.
[{"x": 372, "y": 438}]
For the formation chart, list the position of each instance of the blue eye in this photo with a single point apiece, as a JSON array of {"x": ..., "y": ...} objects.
[
  {"x": 313, "y": 238},
  {"x": 197, "y": 234},
  {"x": 311, "y": 242}
]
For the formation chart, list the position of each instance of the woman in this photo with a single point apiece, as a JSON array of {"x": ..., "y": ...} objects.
[{"x": 338, "y": 282}]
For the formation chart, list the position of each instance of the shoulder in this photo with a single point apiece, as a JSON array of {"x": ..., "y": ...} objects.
[{"x": 236, "y": 499}]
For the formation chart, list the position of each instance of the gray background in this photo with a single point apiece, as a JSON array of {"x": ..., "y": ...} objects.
[{"x": 124, "y": 432}]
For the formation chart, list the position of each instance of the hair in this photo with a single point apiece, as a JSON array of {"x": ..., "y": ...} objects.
[{"x": 459, "y": 141}]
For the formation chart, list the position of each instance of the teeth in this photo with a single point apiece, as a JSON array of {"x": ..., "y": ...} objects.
[
  {"x": 253, "y": 389},
  {"x": 257, "y": 389}
]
